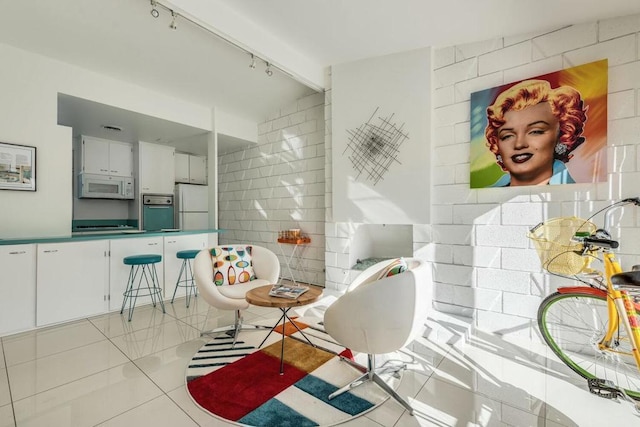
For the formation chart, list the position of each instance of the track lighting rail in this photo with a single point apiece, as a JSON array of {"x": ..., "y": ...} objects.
[{"x": 156, "y": 5}]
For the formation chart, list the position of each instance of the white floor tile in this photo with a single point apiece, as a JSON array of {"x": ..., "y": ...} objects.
[
  {"x": 144, "y": 317},
  {"x": 167, "y": 368},
  {"x": 29, "y": 378},
  {"x": 45, "y": 342},
  {"x": 160, "y": 412},
  {"x": 6, "y": 416},
  {"x": 148, "y": 341},
  {"x": 88, "y": 401},
  {"x": 111, "y": 372},
  {"x": 5, "y": 396}
]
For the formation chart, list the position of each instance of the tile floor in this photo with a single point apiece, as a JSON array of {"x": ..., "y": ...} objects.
[{"x": 105, "y": 371}]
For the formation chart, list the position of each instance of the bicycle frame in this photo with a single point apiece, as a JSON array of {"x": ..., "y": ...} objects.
[{"x": 620, "y": 307}]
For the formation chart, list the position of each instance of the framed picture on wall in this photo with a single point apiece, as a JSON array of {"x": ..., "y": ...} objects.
[
  {"x": 17, "y": 167},
  {"x": 544, "y": 130}
]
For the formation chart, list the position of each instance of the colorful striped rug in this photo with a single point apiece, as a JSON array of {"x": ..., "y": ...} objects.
[{"x": 243, "y": 384}]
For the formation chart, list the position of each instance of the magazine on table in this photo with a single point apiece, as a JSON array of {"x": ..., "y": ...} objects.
[{"x": 285, "y": 291}]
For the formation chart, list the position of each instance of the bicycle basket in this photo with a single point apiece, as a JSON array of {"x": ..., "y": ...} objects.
[{"x": 557, "y": 252}]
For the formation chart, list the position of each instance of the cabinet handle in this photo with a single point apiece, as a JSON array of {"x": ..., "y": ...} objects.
[
  {"x": 152, "y": 244},
  {"x": 17, "y": 252},
  {"x": 171, "y": 241},
  {"x": 50, "y": 251}
]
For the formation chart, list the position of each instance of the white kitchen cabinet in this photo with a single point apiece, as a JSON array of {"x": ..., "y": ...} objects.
[
  {"x": 71, "y": 280},
  {"x": 172, "y": 245},
  {"x": 156, "y": 168},
  {"x": 182, "y": 168},
  {"x": 191, "y": 169},
  {"x": 17, "y": 288},
  {"x": 119, "y": 272},
  {"x": 197, "y": 170},
  {"x": 104, "y": 157}
]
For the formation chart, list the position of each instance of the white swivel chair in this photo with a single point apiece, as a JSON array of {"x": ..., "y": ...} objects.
[
  {"x": 379, "y": 316},
  {"x": 266, "y": 268}
]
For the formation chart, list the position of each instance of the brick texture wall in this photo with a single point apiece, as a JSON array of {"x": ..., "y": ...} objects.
[
  {"x": 279, "y": 184},
  {"x": 485, "y": 267}
]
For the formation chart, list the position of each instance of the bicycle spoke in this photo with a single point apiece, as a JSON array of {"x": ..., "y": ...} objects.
[{"x": 573, "y": 325}]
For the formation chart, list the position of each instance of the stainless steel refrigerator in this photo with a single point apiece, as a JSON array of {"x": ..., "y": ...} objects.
[{"x": 192, "y": 206}]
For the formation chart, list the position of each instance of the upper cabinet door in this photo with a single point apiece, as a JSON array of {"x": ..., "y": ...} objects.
[
  {"x": 157, "y": 168},
  {"x": 104, "y": 157},
  {"x": 95, "y": 156},
  {"x": 120, "y": 159},
  {"x": 182, "y": 168},
  {"x": 197, "y": 170}
]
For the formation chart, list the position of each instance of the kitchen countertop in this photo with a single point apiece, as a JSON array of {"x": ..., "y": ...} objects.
[{"x": 125, "y": 234}]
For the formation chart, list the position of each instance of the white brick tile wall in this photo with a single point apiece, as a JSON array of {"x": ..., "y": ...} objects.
[
  {"x": 477, "y": 214},
  {"x": 536, "y": 68},
  {"x": 622, "y": 105},
  {"x": 472, "y": 50},
  {"x": 452, "y": 234},
  {"x": 455, "y": 72},
  {"x": 279, "y": 183},
  {"x": 489, "y": 268},
  {"x": 451, "y": 114},
  {"x": 503, "y": 236},
  {"x": 520, "y": 260},
  {"x": 443, "y": 135},
  {"x": 617, "y": 51},
  {"x": 502, "y": 280},
  {"x": 521, "y": 305},
  {"x": 443, "y": 57},
  {"x": 465, "y": 88},
  {"x": 565, "y": 40},
  {"x": 612, "y": 28},
  {"x": 508, "y": 57}
]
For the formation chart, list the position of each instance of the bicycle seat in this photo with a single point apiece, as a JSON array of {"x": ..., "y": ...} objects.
[{"x": 628, "y": 278}]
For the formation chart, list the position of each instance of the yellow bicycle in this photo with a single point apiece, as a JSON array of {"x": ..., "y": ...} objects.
[{"x": 594, "y": 328}]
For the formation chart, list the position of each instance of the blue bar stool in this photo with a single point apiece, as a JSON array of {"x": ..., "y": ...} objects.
[
  {"x": 187, "y": 281},
  {"x": 142, "y": 267}
]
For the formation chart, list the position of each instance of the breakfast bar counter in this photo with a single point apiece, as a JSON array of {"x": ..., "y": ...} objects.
[{"x": 83, "y": 236}]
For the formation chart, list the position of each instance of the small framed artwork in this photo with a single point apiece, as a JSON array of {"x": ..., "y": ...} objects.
[{"x": 17, "y": 167}]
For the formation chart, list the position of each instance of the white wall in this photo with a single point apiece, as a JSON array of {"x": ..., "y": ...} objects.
[
  {"x": 28, "y": 115},
  {"x": 399, "y": 87},
  {"x": 278, "y": 184},
  {"x": 485, "y": 265}
]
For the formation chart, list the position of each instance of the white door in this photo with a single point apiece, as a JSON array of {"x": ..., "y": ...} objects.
[
  {"x": 194, "y": 198},
  {"x": 194, "y": 221}
]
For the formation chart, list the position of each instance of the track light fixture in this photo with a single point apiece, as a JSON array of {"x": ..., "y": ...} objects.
[
  {"x": 157, "y": 5},
  {"x": 154, "y": 10},
  {"x": 173, "y": 25}
]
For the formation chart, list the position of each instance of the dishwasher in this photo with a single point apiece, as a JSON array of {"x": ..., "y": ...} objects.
[{"x": 158, "y": 212}]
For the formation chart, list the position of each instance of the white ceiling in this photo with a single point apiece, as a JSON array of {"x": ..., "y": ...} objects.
[
  {"x": 335, "y": 31},
  {"x": 121, "y": 39}
]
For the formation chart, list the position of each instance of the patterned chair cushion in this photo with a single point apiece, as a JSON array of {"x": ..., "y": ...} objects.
[
  {"x": 395, "y": 266},
  {"x": 232, "y": 265}
]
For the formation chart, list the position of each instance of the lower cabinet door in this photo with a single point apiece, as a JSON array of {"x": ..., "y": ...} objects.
[
  {"x": 119, "y": 272},
  {"x": 172, "y": 265},
  {"x": 17, "y": 288},
  {"x": 71, "y": 280}
]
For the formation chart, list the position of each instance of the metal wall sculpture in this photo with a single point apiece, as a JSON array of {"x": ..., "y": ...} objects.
[{"x": 374, "y": 146}]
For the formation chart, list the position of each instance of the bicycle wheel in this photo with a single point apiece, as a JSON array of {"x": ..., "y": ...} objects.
[{"x": 573, "y": 324}]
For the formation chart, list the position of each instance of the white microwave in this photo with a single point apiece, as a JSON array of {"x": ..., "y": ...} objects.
[{"x": 91, "y": 186}]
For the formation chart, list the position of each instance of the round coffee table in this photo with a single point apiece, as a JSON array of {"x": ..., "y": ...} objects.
[{"x": 260, "y": 296}]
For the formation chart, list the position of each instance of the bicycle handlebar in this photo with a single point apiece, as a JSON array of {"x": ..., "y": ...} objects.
[{"x": 603, "y": 243}]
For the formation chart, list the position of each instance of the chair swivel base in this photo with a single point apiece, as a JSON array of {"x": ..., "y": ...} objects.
[
  {"x": 371, "y": 375},
  {"x": 234, "y": 330}
]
